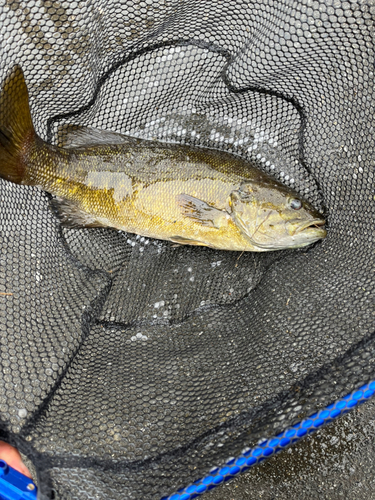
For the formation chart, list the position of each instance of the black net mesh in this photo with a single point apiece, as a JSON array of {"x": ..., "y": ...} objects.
[{"x": 130, "y": 367}]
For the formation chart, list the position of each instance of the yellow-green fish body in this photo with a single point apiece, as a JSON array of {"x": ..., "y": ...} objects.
[{"x": 167, "y": 191}]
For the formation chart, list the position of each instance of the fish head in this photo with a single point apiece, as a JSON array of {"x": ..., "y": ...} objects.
[{"x": 273, "y": 217}]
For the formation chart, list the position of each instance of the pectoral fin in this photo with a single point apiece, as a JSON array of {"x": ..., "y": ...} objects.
[
  {"x": 74, "y": 136},
  {"x": 70, "y": 215},
  {"x": 201, "y": 212},
  {"x": 186, "y": 241}
]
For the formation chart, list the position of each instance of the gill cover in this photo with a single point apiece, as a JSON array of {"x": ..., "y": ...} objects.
[
  {"x": 250, "y": 215},
  {"x": 273, "y": 217}
]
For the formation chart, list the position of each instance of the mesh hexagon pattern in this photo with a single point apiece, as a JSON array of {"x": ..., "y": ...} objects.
[{"x": 130, "y": 366}]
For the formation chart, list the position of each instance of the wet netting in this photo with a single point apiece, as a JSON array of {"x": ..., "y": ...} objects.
[{"x": 130, "y": 367}]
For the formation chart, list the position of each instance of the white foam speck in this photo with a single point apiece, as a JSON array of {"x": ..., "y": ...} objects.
[{"x": 138, "y": 336}]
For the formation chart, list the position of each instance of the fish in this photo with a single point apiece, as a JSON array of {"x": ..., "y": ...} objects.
[{"x": 184, "y": 194}]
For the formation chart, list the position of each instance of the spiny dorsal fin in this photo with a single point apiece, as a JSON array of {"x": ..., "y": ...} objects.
[{"x": 75, "y": 136}]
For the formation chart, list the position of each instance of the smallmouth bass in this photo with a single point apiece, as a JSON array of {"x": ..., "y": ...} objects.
[{"x": 187, "y": 195}]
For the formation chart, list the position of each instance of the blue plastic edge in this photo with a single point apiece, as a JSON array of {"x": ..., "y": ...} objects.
[
  {"x": 275, "y": 444},
  {"x": 14, "y": 485}
]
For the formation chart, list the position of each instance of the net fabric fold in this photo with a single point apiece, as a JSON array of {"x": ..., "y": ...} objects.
[{"x": 130, "y": 366}]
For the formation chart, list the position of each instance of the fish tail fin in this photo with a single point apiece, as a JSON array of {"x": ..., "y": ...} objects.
[{"x": 16, "y": 127}]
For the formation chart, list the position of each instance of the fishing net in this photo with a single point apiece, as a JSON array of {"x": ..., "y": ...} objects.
[{"x": 130, "y": 367}]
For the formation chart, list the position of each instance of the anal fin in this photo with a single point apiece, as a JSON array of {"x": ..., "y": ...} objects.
[{"x": 70, "y": 215}]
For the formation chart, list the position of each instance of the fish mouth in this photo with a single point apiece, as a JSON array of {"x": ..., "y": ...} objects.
[{"x": 317, "y": 226}]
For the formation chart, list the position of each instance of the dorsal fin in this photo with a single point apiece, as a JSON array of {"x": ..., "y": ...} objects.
[{"x": 75, "y": 136}]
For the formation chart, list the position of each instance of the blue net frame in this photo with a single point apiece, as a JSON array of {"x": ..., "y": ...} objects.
[{"x": 269, "y": 447}]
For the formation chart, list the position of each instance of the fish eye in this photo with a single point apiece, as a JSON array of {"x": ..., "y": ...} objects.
[{"x": 296, "y": 204}]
